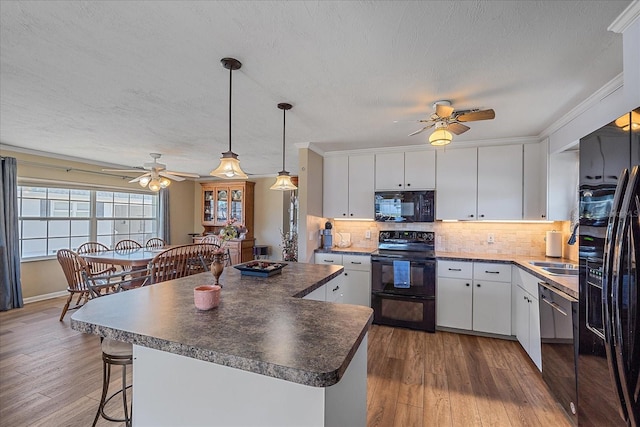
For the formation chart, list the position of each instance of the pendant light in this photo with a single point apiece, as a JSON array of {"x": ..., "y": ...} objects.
[
  {"x": 229, "y": 167},
  {"x": 283, "y": 181},
  {"x": 441, "y": 136}
]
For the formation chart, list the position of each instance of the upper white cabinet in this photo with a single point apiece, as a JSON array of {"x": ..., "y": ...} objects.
[
  {"x": 412, "y": 170},
  {"x": 480, "y": 183},
  {"x": 457, "y": 184},
  {"x": 550, "y": 183},
  {"x": 500, "y": 182},
  {"x": 348, "y": 186}
]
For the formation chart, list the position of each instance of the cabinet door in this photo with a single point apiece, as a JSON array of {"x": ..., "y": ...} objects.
[
  {"x": 522, "y": 317},
  {"x": 357, "y": 287},
  {"x": 221, "y": 208},
  {"x": 492, "y": 307},
  {"x": 453, "y": 303},
  {"x": 500, "y": 182},
  {"x": 420, "y": 170},
  {"x": 562, "y": 197},
  {"x": 457, "y": 176},
  {"x": 535, "y": 347},
  {"x": 335, "y": 193},
  {"x": 390, "y": 171},
  {"x": 236, "y": 204},
  {"x": 318, "y": 294},
  {"x": 207, "y": 206},
  {"x": 534, "y": 181},
  {"x": 361, "y": 177}
]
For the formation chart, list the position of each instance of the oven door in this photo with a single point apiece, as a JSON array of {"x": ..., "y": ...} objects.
[
  {"x": 404, "y": 311},
  {"x": 422, "y": 278}
]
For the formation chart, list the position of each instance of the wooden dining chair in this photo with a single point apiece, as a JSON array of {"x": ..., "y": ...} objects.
[
  {"x": 97, "y": 268},
  {"x": 180, "y": 261},
  {"x": 127, "y": 244},
  {"x": 155, "y": 243},
  {"x": 73, "y": 266},
  {"x": 216, "y": 240}
]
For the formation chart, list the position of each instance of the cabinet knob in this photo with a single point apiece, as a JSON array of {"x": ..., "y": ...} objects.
[
  {"x": 351, "y": 214},
  {"x": 471, "y": 216},
  {"x": 409, "y": 185},
  {"x": 344, "y": 214},
  {"x": 482, "y": 216},
  {"x": 467, "y": 284},
  {"x": 478, "y": 285},
  {"x": 543, "y": 216},
  {"x": 399, "y": 185}
]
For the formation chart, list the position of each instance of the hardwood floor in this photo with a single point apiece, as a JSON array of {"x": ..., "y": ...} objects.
[{"x": 51, "y": 375}]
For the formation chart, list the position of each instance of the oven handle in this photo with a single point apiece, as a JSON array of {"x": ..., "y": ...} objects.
[
  {"x": 397, "y": 296},
  {"x": 553, "y": 305}
]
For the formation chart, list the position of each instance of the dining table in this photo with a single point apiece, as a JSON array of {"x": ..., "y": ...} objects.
[{"x": 132, "y": 258}]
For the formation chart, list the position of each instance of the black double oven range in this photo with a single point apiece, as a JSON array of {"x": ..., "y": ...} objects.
[{"x": 403, "y": 280}]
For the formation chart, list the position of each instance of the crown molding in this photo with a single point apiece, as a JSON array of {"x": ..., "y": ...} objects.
[
  {"x": 626, "y": 18},
  {"x": 616, "y": 83},
  {"x": 59, "y": 156}
]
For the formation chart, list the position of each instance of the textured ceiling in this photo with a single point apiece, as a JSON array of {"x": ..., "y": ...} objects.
[{"x": 112, "y": 81}]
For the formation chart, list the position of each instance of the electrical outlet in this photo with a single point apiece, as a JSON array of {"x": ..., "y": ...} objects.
[
  {"x": 367, "y": 234},
  {"x": 491, "y": 238}
]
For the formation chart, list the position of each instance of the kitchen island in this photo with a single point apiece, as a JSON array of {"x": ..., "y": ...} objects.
[{"x": 265, "y": 356}]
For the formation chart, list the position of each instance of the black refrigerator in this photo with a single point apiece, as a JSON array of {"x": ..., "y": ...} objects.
[{"x": 608, "y": 338}]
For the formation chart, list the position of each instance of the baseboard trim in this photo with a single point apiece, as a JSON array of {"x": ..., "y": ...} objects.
[
  {"x": 480, "y": 334},
  {"x": 45, "y": 296}
]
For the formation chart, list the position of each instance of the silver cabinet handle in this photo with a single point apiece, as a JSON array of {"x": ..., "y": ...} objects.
[{"x": 554, "y": 305}]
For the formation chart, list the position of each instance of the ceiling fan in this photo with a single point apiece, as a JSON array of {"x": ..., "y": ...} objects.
[
  {"x": 157, "y": 176},
  {"x": 445, "y": 119}
]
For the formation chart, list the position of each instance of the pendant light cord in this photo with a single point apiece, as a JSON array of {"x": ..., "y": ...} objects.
[
  {"x": 284, "y": 127},
  {"x": 230, "y": 77}
]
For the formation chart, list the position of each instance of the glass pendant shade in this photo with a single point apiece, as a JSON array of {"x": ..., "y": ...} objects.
[
  {"x": 229, "y": 167},
  {"x": 440, "y": 137},
  {"x": 165, "y": 182},
  {"x": 154, "y": 185},
  {"x": 144, "y": 181},
  {"x": 283, "y": 182}
]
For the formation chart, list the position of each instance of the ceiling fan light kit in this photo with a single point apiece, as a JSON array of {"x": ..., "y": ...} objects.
[
  {"x": 283, "y": 180},
  {"x": 229, "y": 167},
  {"x": 447, "y": 121}
]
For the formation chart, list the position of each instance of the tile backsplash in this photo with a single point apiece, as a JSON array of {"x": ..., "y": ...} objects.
[{"x": 526, "y": 239}]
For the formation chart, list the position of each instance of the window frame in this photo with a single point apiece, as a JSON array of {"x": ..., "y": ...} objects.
[{"x": 93, "y": 218}]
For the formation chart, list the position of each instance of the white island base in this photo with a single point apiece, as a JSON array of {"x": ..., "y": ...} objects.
[{"x": 174, "y": 390}]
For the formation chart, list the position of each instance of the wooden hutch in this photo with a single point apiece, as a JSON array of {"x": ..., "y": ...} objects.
[{"x": 225, "y": 200}]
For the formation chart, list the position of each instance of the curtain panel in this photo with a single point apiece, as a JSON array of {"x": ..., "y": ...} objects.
[
  {"x": 10, "y": 285},
  {"x": 165, "y": 231}
]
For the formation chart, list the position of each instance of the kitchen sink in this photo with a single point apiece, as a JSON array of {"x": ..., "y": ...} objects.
[
  {"x": 561, "y": 271},
  {"x": 561, "y": 265}
]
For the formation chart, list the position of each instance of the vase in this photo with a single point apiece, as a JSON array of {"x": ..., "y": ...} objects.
[{"x": 217, "y": 266}]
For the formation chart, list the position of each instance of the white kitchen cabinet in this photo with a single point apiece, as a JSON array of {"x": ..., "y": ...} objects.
[
  {"x": 534, "y": 206},
  {"x": 500, "y": 182},
  {"x": 319, "y": 294},
  {"x": 409, "y": 171},
  {"x": 527, "y": 314},
  {"x": 357, "y": 279},
  {"x": 480, "y": 183},
  {"x": 348, "y": 186},
  {"x": 474, "y": 296},
  {"x": 457, "y": 184},
  {"x": 492, "y": 298},
  {"x": 355, "y": 286}
]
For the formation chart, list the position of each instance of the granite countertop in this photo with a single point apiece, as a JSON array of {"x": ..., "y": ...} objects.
[
  {"x": 262, "y": 324},
  {"x": 566, "y": 284}
]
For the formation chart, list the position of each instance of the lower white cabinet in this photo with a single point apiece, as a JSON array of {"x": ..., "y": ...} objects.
[
  {"x": 356, "y": 280},
  {"x": 527, "y": 314},
  {"x": 331, "y": 291},
  {"x": 474, "y": 296}
]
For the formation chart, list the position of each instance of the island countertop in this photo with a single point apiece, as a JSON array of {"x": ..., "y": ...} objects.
[{"x": 262, "y": 324}]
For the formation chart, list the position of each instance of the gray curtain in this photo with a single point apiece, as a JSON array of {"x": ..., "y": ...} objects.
[
  {"x": 10, "y": 286},
  {"x": 165, "y": 232}
]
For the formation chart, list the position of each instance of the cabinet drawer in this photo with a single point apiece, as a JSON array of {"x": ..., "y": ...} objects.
[
  {"x": 321, "y": 258},
  {"x": 455, "y": 269},
  {"x": 356, "y": 262},
  {"x": 491, "y": 271}
]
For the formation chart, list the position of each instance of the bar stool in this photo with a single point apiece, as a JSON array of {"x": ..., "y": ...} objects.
[{"x": 121, "y": 354}]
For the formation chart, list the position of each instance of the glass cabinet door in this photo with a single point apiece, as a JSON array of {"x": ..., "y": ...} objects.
[
  {"x": 236, "y": 205},
  {"x": 207, "y": 214},
  {"x": 222, "y": 206}
]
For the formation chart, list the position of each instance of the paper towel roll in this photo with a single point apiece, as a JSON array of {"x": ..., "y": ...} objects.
[{"x": 554, "y": 244}]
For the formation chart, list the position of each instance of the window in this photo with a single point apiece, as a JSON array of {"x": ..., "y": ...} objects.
[{"x": 52, "y": 218}]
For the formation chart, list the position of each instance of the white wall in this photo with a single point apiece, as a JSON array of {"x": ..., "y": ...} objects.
[{"x": 268, "y": 214}]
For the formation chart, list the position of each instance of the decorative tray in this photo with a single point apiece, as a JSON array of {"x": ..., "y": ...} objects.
[{"x": 260, "y": 268}]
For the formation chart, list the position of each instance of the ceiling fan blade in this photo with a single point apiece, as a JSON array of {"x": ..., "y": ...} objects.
[
  {"x": 187, "y": 174},
  {"x": 444, "y": 110},
  {"x": 477, "y": 115},
  {"x": 420, "y": 130},
  {"x": 170, "y": 176},
  {"x": 122, "y": 170},
  {"x": 140, "y": 177},
  {"x": 457, "y": 128}
]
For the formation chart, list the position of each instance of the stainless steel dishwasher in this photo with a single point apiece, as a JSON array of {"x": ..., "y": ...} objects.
[{"x": 558, "y": 327}]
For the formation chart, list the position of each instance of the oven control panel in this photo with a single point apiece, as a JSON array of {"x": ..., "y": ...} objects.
[{"x": 407, "y": 236}]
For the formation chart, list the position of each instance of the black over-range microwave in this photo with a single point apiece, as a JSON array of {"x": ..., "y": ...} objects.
[{"x": 405, "y": 206}]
